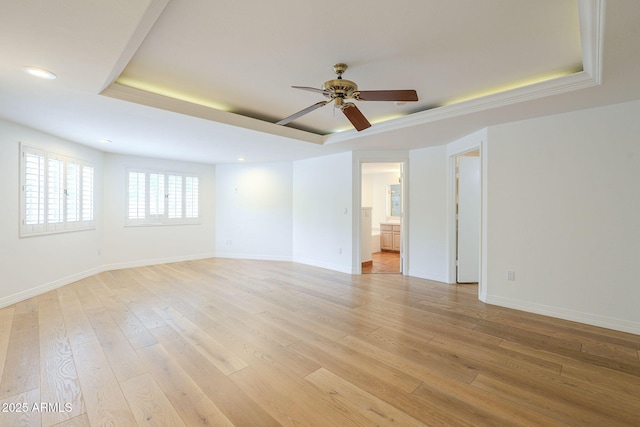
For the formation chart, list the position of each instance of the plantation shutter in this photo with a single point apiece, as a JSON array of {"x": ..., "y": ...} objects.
[
  {"x": 33, "y": 190},
  {"x": 72, "y": 192},
  {"x": 55, "y": 193},
  {"x": 174, "y": 196},
  {"x": 136, "y": 206},
  {"x": 87, "y": 194},
  {"x": 191, "y": 197}
]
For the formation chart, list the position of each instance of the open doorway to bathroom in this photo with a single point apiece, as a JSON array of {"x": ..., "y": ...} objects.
[{"x": 381, "y": 218}]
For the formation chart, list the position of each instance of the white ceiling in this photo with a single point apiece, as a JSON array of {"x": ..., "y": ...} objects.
[{"x": 146, "y": 73}]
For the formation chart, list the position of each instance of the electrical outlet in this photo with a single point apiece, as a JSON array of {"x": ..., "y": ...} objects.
[
  {"x": 511, "y": 275},
  {"x": 228, "y": 242}
]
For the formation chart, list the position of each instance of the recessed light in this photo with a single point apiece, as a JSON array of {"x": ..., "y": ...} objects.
[
  {"x": 39, "y": 72},
  {"x": 241, "y": 159},
  {"x": 104, "y": 140}
]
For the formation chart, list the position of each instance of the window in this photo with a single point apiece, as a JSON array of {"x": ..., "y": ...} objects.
[
  {"x": 57, "y": 193},
  {"x": 161, "y": 198}
]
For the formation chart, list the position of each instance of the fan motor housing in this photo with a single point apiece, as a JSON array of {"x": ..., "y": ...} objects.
[{"x": 340, "y": 88}]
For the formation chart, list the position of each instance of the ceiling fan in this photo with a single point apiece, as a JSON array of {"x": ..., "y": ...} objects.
[{"x": 339, "y": 90}]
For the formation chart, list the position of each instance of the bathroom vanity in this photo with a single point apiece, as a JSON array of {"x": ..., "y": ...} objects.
[{"x": 390, "y": 236}]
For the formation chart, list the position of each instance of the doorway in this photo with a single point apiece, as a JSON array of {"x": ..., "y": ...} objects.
[
  {"x": 467, "y": 217},
  {"x": 381, "y": 246}
]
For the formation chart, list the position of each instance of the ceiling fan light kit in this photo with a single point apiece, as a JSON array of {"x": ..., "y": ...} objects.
[{"x": 340, "y": 89}]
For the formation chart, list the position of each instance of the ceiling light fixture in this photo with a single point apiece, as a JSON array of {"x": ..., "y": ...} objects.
[
  {"x": 104, "y": 140},
  {"x": 241, "y": 159},
  {"x": 39, "y": 72}
]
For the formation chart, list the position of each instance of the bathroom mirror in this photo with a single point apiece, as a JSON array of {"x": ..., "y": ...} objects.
[{"x": 394, "y": 198}]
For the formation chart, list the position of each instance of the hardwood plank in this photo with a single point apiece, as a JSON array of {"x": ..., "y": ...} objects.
[
  {"x": 417, "y": 317},
  {"x": 22, "y": 362},
  {"x": 115, "y": 279},
  {"x": 611, "y": 350},
  {"x": 267, "y": 330},
  {"x": 80, "y": 421},
  {"x": 340, "y": 319},
  {"x": 363, "y": 408},
  {"x": 140, "y": 302},
  {"x": 553, "y": 406},
  {"x": 189, "y": 401},
  {"x": 132, "y": 328},
  {"x": 148, "y": 403},
  {"x": 415, "y": 351},
  {"x": 369, "y": 380},
  {"x": 602, "y": 378},
  {"x": 288, "y": 398},
  {"x": 79, "y": 330},
  {"x": 120, "y": 354},
  {"x": 216, "y": 353},
  {"x": 87, "y": 298},
  {"x": 6, "y": 322},
  {"x": 105, "y": 403},
  {"x": 299, "y": 326},
  {"x": 222, "y": 391},
  {"x": 59, "y": 382},
  {"x": 486, "y": 358},
  {"x": 571, "y": 348},
  {"x": 585, "y": 334},
  {"x": 18, "y": 410},
  {"x": 250, "y": 346}
]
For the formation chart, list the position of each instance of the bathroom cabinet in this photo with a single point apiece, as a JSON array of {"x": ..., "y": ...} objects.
[{"x": 390, "y": 237}]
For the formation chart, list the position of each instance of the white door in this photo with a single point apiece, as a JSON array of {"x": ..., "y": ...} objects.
[{"x": 468, "y": 240}]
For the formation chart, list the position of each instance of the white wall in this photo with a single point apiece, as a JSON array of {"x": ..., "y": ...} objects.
[
  {"x": 562, "y": 212},
  {"x": 36, "y": 264},
  {"x": 367, "y": 190},
  {"x": 254, "y": 211},
  {"x": 145, "y": 245},
  {"x": 428, "y": 210},
  {"x": 323, "y": 217}
]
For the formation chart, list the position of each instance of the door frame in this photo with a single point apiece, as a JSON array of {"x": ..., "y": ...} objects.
[
  {"x": 473, "y": 142},
  {"x": 457, "y": 218},
  {"x": 356, "y": 266}
]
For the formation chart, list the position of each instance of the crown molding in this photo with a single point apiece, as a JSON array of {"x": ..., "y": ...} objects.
[
  {"x": 592, "y": 19},
  {"x": 148, "y": 20}
]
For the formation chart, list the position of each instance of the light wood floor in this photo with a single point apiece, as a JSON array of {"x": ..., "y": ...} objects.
[
  {"x": 383, "y": 262},
  {"x": 252, "y": 343}
]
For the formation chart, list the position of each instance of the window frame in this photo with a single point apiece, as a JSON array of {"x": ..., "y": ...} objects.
[
  {"x": 53, "y": 194},
  {"x": 149, "y": 196}
]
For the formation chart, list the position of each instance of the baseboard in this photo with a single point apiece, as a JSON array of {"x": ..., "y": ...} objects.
[
  {"x": 156, "y": 261},
  {"x": 326, "y": 265},
  {"x": 41, "y": 289},
  {"x": 257, "y": 257},
  {"x": 426, "y": 276},
  {"x": 566, "y": 314}
]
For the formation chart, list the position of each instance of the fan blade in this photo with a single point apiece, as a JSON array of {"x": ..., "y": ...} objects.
[
  {"x": 388, "y": 95},
  {"x": 303, "y": 112},
  {"x": 355, "y": 116},
  {"x": 313, "y": 89}
]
